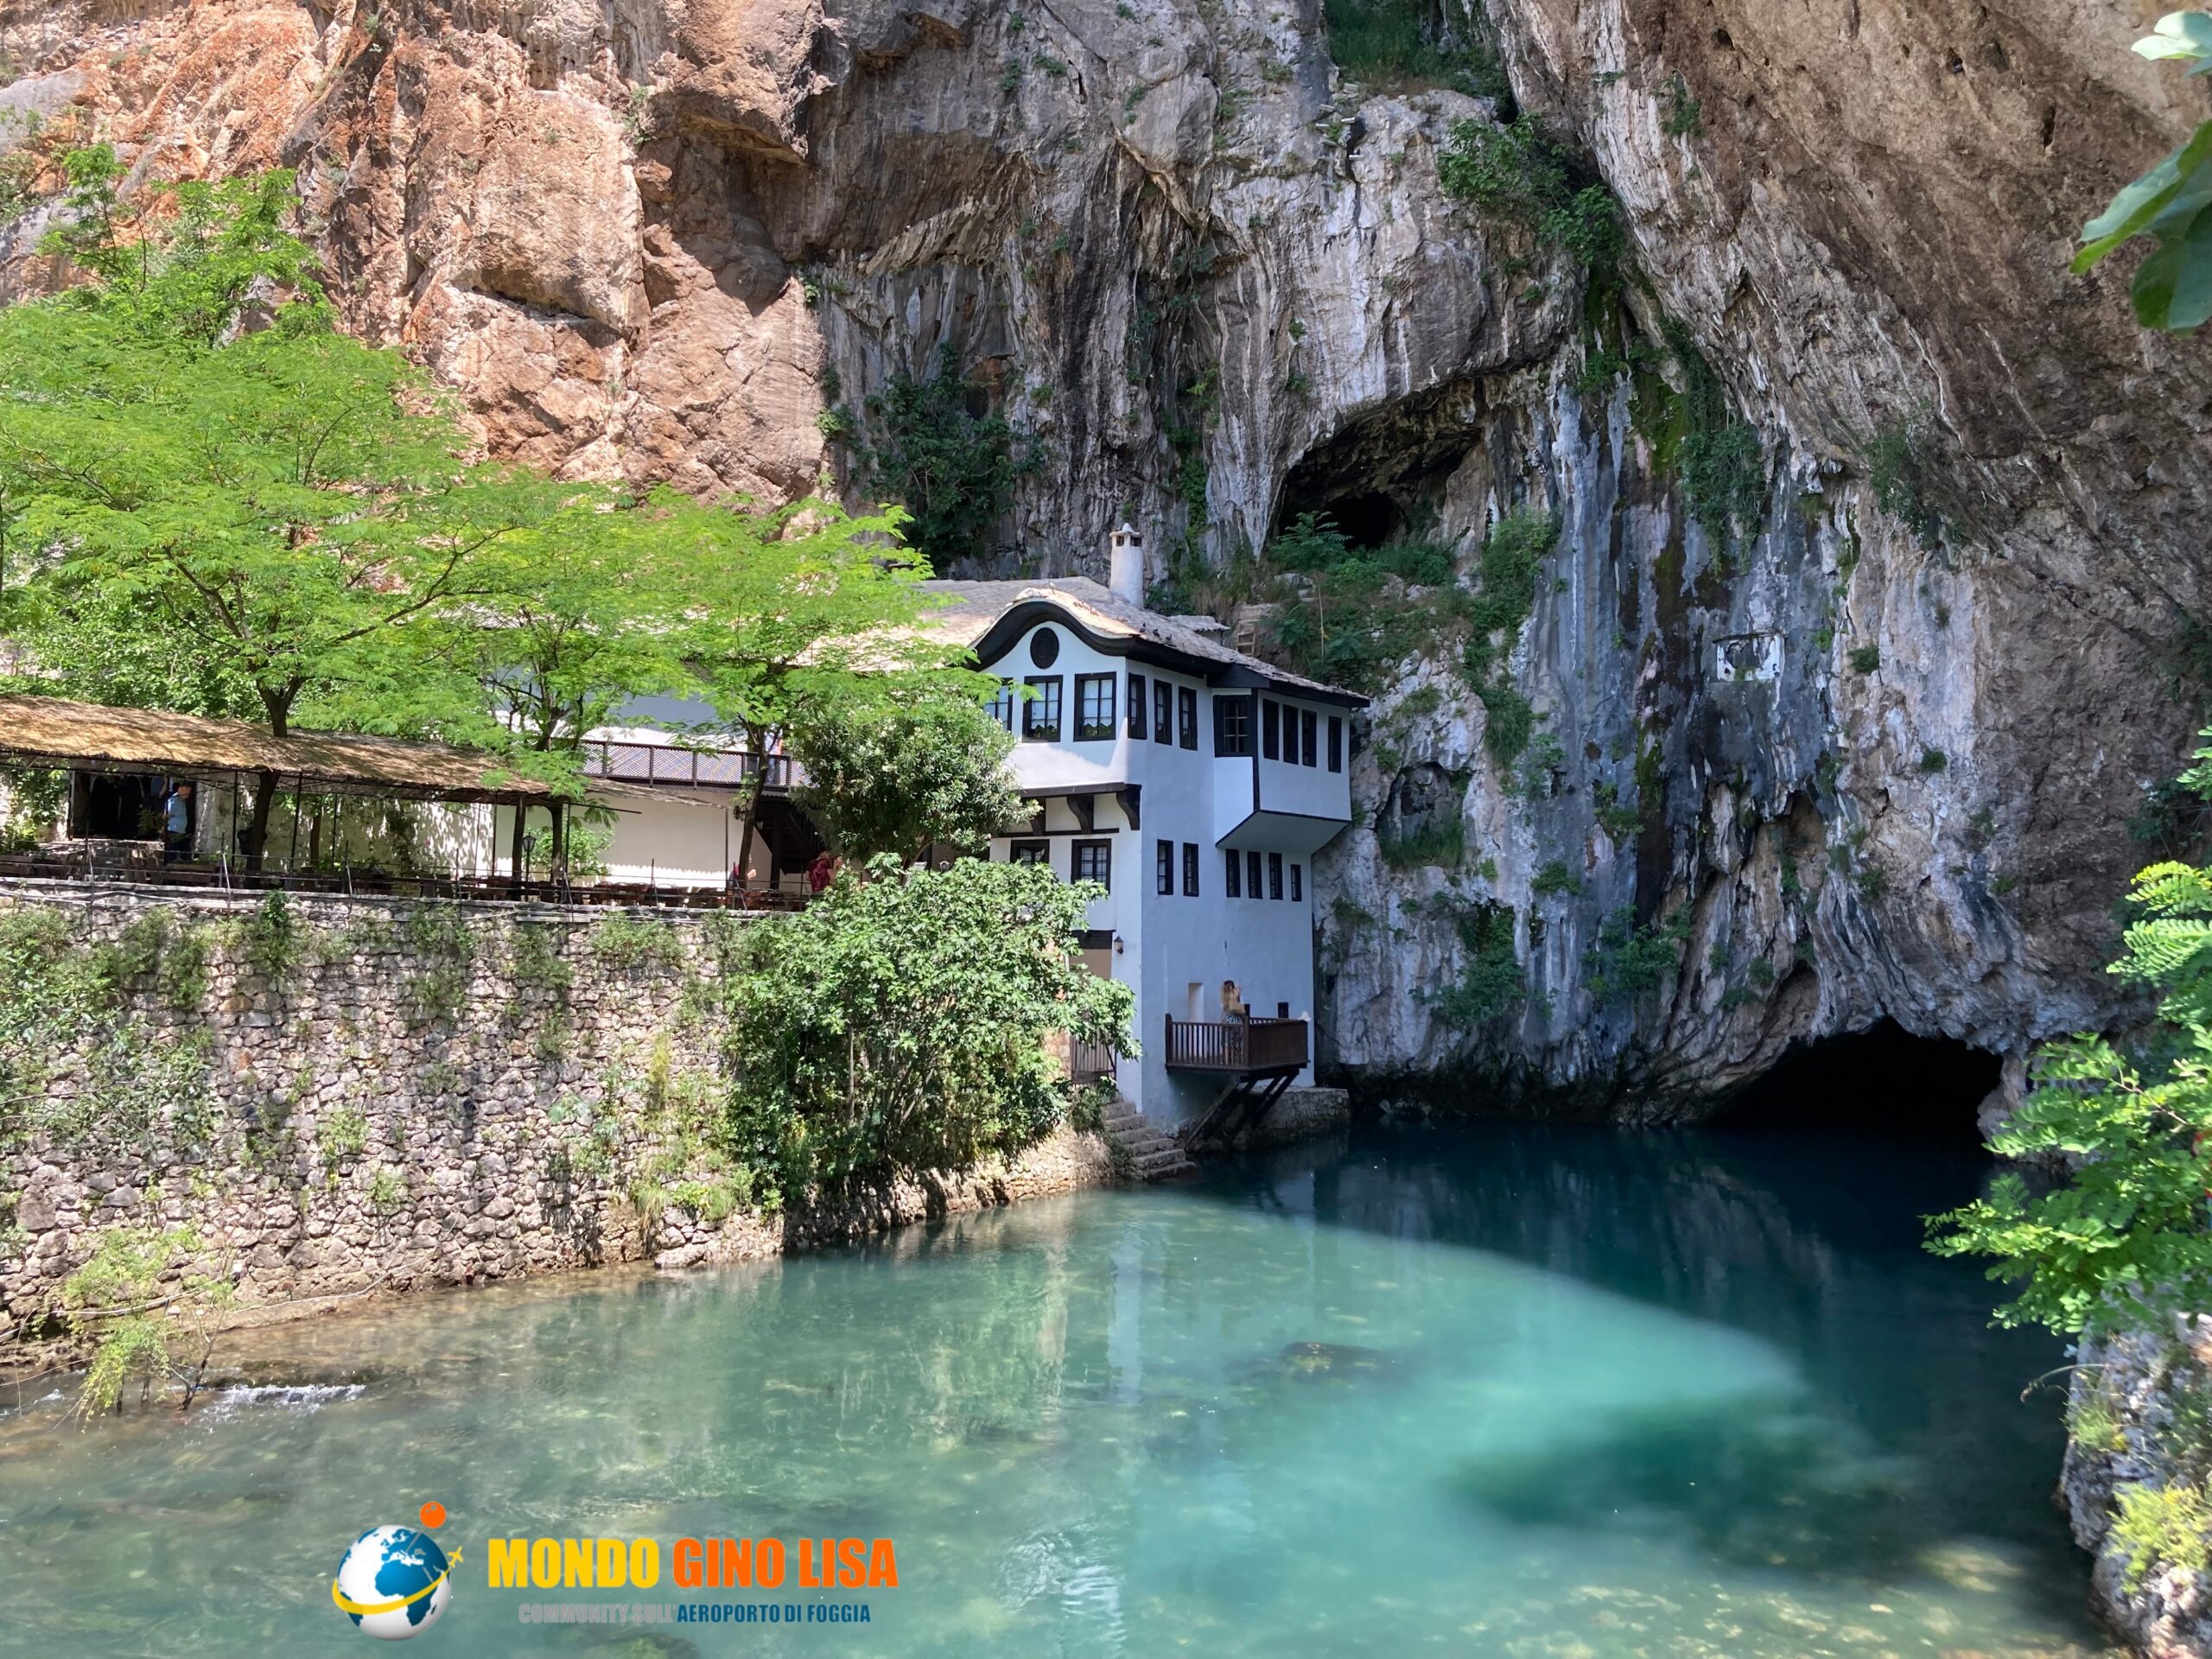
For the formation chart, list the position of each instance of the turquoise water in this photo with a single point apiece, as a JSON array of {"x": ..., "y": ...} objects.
[{"x": 1509, "y": 1390}]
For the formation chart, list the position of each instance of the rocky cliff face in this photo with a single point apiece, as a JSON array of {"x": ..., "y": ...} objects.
[{"x": 1837, "y": 768}]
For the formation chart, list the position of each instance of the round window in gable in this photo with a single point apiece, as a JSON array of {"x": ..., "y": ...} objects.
[{"x": 1044, "y": 647}]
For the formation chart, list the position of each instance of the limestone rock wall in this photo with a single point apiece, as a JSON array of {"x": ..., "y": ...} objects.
[
  {"x": 2135, "y": 1418},
  {"x": 1211, "y": 281}
]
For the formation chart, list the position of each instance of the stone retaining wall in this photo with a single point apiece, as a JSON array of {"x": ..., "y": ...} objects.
[{"x": 338, "y": 1095}]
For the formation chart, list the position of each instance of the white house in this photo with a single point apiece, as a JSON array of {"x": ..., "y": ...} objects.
[{"x": 1196, "y": 783}]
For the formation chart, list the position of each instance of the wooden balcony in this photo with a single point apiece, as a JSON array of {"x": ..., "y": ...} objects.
[
  {"x": 1239, "y": 1048},
  {"x": 666, "y": 764}
]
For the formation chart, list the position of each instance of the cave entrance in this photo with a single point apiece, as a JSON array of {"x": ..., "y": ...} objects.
[
  {"x": 1881, "y": 1081},
  {"x": 1368, "y": 520}
]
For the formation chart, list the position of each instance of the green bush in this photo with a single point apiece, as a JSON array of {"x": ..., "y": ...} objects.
[
  {"x": 1391, "y": 43},
  {"x": 953, "y": 470},
  {"x": 2121, "y": 1240},
  {"x": 271, "y": 939},
  {"x": 1343, "y": 618},
  {"x": 1491, "y": 983},
  {"x": 621, "y": 941},
  {"x": 1437, "y": 843},
  {"x": 1555, "y": 880},
  {"x": 1901, "y": 468},
  {"x": 1685, "y": 116},
  {"x": 902, "y": 1023},
  {"x": 2162, "y": 1526},
  {"x": 1629, "y": 961},
  {"x": 903, "y": 778},
  {"x": 1517, "y": 174}
]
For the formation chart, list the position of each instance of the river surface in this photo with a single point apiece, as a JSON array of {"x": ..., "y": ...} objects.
[{"x": 1500, "y": 1390}]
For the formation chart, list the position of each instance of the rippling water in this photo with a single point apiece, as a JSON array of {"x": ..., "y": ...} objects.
[{"x": 1507, "y": 1390}]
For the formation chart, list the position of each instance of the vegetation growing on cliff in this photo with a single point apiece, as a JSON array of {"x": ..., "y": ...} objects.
[
  {"x": 1517, "y": 172},
  {"x": 1513, "y": 553},
  {"x": 1630, "y": 960},
  {"x": 1397, "y": 44},
  {"x": 904, "y": 1023},
  {"x": 1489, "y": 983},
  {"x": 952, "y": 466},
  {"x": 1342, "y": 615}
]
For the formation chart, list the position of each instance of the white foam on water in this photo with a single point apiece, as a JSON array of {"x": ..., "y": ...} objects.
[{"x": 298, "y": 1397}]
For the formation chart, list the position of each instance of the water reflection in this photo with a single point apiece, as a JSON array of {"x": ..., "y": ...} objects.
[{"x": 1516, "y": 1392}]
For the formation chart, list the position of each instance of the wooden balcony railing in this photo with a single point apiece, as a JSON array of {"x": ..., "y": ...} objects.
[
  {"x": 668, "y": 763},
  {"x": 1089, "y": 1062},
  {"x": 1244, "y": 1048}
]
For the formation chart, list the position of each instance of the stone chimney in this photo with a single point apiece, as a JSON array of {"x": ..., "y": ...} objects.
[{"x": 1125, "y": 568}]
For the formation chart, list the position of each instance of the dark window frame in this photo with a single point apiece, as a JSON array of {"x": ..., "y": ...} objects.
[
  {"x": 1044, "y": 648},
  {"x": 1163, "y": 868},
  {"x": 1233, "y": 884},
  {"x": 1274, "y": 876},
  {"x": 1034, "y": 729},
  {"x": 1253, "y": 889},
  {"x": 1102, "y": 850},
  {"x": 1336, "y": 742},
  {"x": 1163, "y": 712},
  {"x": 1137, "y": 713},
  {"x": 1029, "y": 852},
  {"x": 1270, "y": 729},
  {"x": 1297, "y": 884},
  {"x": 1232, "y": 726},
  {"x": 1186, "y": 716},
  {"x": 1002, "y": 706},
  {"x": 1105, "y": 686},
  {"x": 1308, "y": 739},
  {"x": 1189, "y": 869}
]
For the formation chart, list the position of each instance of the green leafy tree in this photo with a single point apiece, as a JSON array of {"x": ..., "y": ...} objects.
[
  {"x": 151, "y": 1317},
  {"x": 906, "y": 1022},
  {"x": 797, "y": 614},
  {"x": 278, "y": 512},
  {"x": 2172, "y": 288},
  {"x": 2123, "y": 1239},
  {"x": 585, "y": 612},
  {"x": 903, "y": 778}
]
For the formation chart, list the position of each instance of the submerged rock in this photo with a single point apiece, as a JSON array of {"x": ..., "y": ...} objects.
[{"x": 1332, "y": 1362}]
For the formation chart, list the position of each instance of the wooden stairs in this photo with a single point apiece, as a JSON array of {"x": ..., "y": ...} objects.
[{"x": 1156, "y": 1157}]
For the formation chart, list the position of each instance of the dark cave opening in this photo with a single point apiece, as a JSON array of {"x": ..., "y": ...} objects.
[
  {"x": 1881, "y": 1081},
  {"x": 1368, "y": 520}
]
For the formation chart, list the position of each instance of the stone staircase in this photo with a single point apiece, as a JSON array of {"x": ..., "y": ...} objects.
[{"x": 1155, "y": 1156}]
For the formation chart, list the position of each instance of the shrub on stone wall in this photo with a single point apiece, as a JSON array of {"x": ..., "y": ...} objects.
[{"x": 904, "y": 1023}]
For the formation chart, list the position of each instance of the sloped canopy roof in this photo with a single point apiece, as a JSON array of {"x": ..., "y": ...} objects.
[
  {"x": 986, "y": 614},
  {"x": 50, "y": 732}
]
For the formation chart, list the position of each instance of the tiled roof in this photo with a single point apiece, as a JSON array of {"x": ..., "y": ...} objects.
[{"x": 971, "y": 607}]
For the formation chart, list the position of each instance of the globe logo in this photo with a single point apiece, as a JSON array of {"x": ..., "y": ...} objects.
[{"x": 394, "y": 1582}]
